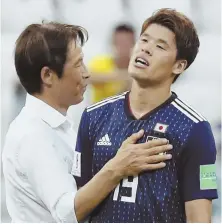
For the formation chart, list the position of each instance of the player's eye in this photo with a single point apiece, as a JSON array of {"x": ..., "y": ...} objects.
[
  {"x": 144, "y": 40},
  {"x": 160, "y": 47}
]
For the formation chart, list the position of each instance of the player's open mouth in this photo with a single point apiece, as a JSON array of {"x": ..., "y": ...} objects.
[{"x": 141, "y": 62}]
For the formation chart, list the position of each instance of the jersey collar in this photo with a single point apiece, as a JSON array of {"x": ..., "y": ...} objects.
[{"x": 130, "y": 115}]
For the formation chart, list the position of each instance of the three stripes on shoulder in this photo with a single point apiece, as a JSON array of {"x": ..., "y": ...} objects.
[
  {"x": 180, "y": 105},
  {"x": 188, "y": 111},
  {"x": 106, "y": 101}
]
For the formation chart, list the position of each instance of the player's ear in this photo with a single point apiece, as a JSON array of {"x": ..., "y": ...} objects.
[{"x": 179, "y": 67}]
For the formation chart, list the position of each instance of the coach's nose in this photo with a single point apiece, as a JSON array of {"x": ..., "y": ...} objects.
[{"x": 85, "y": 73}]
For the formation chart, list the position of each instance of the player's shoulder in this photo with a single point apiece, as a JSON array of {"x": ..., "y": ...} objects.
[
  {"x": 108, "y": 103},
  {"x": 186, "y": 111}
]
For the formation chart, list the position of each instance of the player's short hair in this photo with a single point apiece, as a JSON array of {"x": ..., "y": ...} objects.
[
  {"x": 186, "y": 36},
  {"x": 44, "y": 44}
]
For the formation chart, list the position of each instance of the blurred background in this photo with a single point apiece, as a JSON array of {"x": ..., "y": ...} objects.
[{"x": 113, "y": 26}]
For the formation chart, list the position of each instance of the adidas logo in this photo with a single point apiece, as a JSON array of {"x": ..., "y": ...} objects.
[{"x": 104, "y": 140}]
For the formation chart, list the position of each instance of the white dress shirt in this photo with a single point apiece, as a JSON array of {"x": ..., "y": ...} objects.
[{"x": 37, "y": 165}]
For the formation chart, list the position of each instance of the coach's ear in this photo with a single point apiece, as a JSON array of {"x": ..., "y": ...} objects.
[{"x": 47, "y": 76}]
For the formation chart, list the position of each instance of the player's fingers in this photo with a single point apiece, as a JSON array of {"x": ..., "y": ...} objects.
[
  {"x": 158, "y": 158},
  {"x": 134, "y": 137},
  {"x": 154, "y": 166},
  {"x": 158, "y": 149},
  {"x": 153, "y": 143}
]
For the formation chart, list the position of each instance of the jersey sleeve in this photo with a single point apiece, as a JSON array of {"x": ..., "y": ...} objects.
[
  {"x": 197, "y": 166},
  {"x": 82, "y": 164}
]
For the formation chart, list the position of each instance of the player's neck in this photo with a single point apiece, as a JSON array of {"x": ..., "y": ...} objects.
[{"x": 144, "y": 100}]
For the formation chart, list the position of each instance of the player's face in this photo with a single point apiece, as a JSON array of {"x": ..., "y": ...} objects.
[
  {"x": 123, "y": 43},
  {"x": 71, "y": 87},
  {"x": 153, "y": 60}
]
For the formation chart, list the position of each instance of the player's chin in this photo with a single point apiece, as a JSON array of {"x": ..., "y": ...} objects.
[
  {"x": 137, "y": 74},
  {"x": 142, "y": 79}
]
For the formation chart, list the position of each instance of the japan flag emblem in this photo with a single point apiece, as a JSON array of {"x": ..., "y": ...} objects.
[{"x": 161, "y": 128}]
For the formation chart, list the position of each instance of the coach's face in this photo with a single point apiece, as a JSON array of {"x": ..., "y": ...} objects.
[
  {"x": 154, "y": 57},
  {"x": 72, "y": 85}
]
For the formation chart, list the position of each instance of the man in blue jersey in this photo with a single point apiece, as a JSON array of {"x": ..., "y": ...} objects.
[{"x": 183, "y": 190}]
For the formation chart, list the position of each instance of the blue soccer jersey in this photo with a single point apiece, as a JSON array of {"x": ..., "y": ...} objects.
[{"x": 153, "y": 196}]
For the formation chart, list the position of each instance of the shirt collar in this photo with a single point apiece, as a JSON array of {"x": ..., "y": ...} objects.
[{"x": 47, "y": 113}]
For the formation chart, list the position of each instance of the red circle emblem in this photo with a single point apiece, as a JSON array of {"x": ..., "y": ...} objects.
[{"x": 161, "y": 128}]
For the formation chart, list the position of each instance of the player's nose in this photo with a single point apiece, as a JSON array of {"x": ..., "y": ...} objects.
[{"x": 147, "y": 48}]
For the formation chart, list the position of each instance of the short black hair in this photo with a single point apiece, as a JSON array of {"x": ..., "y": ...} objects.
[
  {"x": 44, "y": 44},
  {"x": 123, "y": 27},
  {"x": 187, "y": 40}
]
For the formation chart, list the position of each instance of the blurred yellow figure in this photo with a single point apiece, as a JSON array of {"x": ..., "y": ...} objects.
[
  {"x": 100, "y": 66},
  {"x": 109, "y": 72}
]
